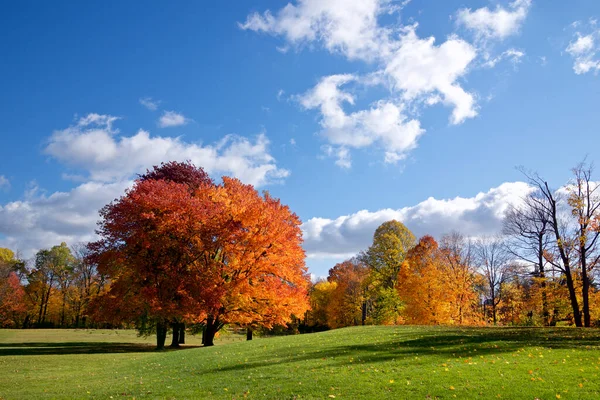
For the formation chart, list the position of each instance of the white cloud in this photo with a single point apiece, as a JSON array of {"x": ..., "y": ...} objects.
[
  {"x": 584, "y": 50},
  {"x": 41, "y": 221},
  {"x": 384, "y": 123},
  {"x": 172, "y": 118},
  {"x": 150, "y": 103},
  {"x": 515, "y": 56},
  {"x": 417, "y": 71},
  {"x": 474, "y": 216},
  {"x": 348, "y": 27},
  {"x": 92, "y": 145},
  {"x": 499, "y": 23},
  {"x": 4, "y": 182},
  {"x": 418, "y": 67}
]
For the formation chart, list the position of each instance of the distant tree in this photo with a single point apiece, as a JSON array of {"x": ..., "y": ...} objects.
[
  {"x": 527, "y": 227},
  {"x": 584, "y": 201},
  {"x": 391, "y": 241},
  {"x": 347, "y": 302},
  {"x": 423, "y": 284},
  {"x": 494, "y": 264},
  {"x": 458, "y": 253},
  {"x": 320, "y": 298},
  {"x": 87, "y": 283},
  {"x": 562, "y": 254},
  {"x": 12, "y": 295},
  {"x": 51, "y": 271}
]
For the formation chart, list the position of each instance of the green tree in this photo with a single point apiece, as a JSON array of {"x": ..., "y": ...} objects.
[{"x": 391, "y": 242}]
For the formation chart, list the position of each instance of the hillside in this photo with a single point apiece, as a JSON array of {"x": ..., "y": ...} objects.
[{"x": 360, "y": 362}]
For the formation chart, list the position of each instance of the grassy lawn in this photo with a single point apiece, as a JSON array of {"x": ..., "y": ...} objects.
[{"x": 361, "y": 362}]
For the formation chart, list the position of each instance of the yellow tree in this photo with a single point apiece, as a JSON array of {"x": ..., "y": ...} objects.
[{"x": 422, "y": 285}]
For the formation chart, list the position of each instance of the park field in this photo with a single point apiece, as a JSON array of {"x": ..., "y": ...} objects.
[{"x": 372, "y": 362}]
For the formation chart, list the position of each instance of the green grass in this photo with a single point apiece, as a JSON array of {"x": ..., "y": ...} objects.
[{"x": 361, "y": 362}]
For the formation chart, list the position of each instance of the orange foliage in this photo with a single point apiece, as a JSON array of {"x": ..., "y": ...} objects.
[
  {"x": 347, "y": 299},
  {"x": 201, "y": 253},
  {"x": 422, "y": 285}
]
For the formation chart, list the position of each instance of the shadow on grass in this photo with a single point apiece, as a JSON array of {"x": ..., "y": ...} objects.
[
  {"x": 460, "y": 342},
  {"x": 49, "y": 348}
]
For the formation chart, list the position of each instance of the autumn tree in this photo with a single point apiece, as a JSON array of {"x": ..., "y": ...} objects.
[
  {"x": 51, "y": 272},
  {"x": 149, "y": 241},
  {"x": 422, "y": 284},
  {"x": 12, "y": 295},
  {"x": 211, "y": 254},
  {"x": 194, "y": 178},
  {"x": 347, "y": 304},
  {"x": 252, "y": 272},
  {"x": 320, "y": 299},
  {"x": 87, "y": 283},
  {"x": 458, "y": 255}
]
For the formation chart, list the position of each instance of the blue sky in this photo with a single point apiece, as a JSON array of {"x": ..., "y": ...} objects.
[{"x": 352, "y": 112}]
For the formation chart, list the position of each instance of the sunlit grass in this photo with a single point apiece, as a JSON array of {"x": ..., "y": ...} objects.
[{"x": 361, "y": 362}]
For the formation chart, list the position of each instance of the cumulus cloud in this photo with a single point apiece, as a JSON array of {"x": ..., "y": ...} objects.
[
  {"x": 171, "y": 118},
  {"x": 584, "y": 49},
  {"x": 348, "y": 27},
  {"x": 41, "y": 221},
  {"x": 418, "y": 67},
  {"x": 498, "y": 23},
  {"x": 150, "y": 103},
  {"x": 383, "y": 123},
  {"x": 473, "y": 216},
  {"x": 93, "y": 145},
  {"x": 418, "y": 71}
]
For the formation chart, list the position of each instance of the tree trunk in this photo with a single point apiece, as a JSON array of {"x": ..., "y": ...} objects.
[
  {"x": 47, "y": 300},
  {"x": 249, "y": 334},
  {"x": 175, "y": 339},
  {"x": 62, "y": 314},
  {"x": 542, "y": 274},
  {"x": 182, "y": 333},
  {"x": 573, "y": 298},
  {"x": 585, "y": 280},
  {"x": 161, "y": 335},
  {"x": 212, "y": 327},
  {"x": 364, "y": 312}
]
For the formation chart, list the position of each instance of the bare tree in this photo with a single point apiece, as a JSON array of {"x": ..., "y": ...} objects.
[
  {"x": 493, "y": 259},
  {"x": 87, "y": 281},
  {"x": 527, "y": 226},
  {"x": 584, "y": 200},
  {"x": 548, "y": 202}
]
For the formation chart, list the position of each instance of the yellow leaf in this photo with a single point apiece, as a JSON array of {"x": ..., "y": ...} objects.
[
  {"x": 558, "y": 396},
  {"x": 332, "y": 396},
  {"x": 451, "y": 387}
]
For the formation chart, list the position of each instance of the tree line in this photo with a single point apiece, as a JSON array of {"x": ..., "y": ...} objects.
[
  {"x": 541, "y": 269},
  {"x": 178, "y": 250}
]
